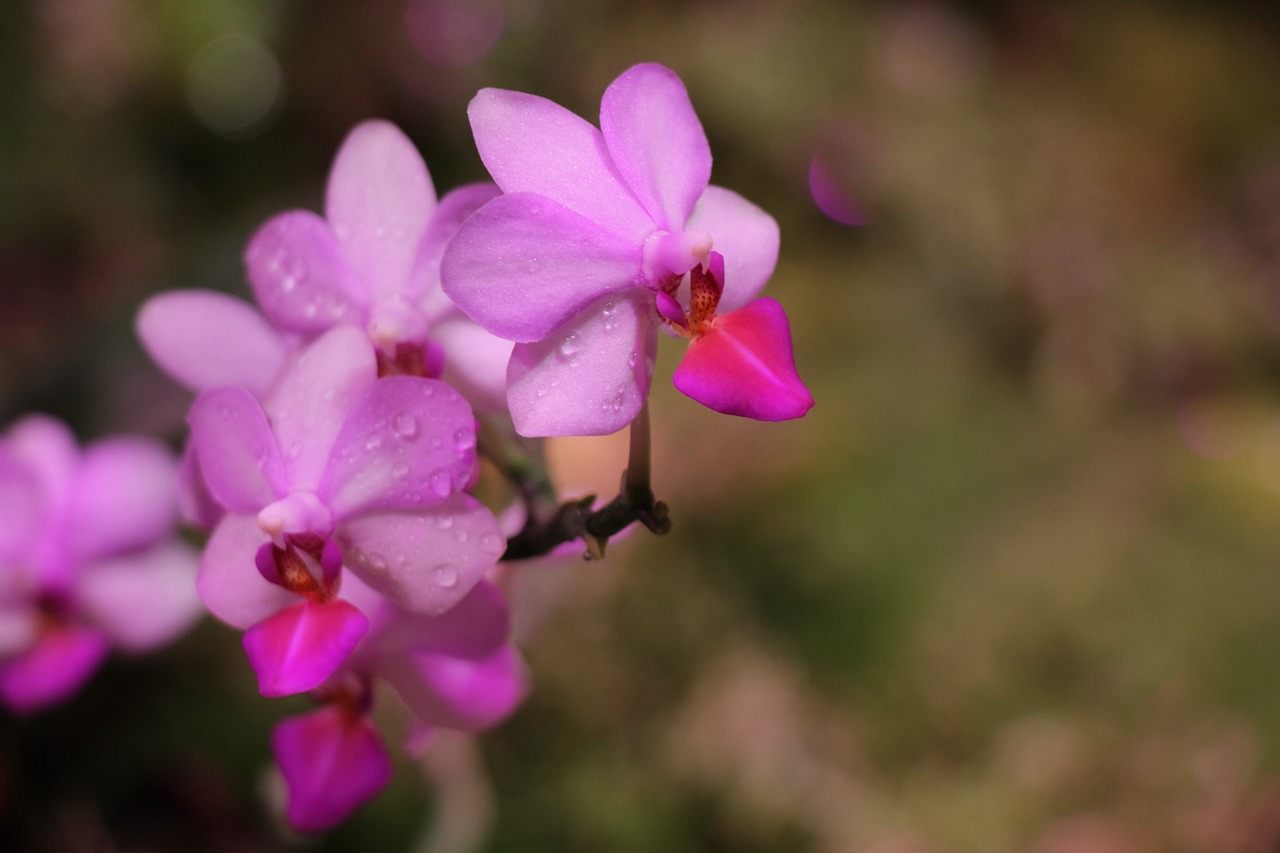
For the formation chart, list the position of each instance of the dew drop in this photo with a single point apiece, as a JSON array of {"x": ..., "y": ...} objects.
[
  {"x": 373, "y": 442},
  {"x": 436, "y": 442},
  {"x": 441, "y": 483},
  {"x": 400, "y": 471},
  {"x": 445, "y": 576},
  {"x": 376, "y": 561},
  {"x": 445, "y": 522},
  {"x": 406, "y": 426},
  {"x": 464, "y": 440},
  {"x": 569, "y": 345},
  {"x": 461, "y": 534},
  {"x": 633, "y": 359},
  {"x": 492, "y": 543}
]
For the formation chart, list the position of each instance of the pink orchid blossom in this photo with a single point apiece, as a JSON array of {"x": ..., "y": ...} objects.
[
  {"x": 88, "y": 560},
  {"x": 587, "y": 253},
  {"x": 374, "y": 261},
  {"x": 337, "y": 468},
  {"x": 456, "y": 670}
]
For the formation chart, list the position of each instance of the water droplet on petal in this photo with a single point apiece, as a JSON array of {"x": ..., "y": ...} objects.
[
  {"x": 445, "y": 576},
  {"x": 493, "y": 543},
  {"x": 442, "y": 483},
  {"x": 406, "y": 426},
  {"x": 445, "y": 522},
  {"x": 436, "y": 442},
  {"x": 633, "y": 359},
  {"x": 400, "y": 471},
  {"x": 464, "y": 439},
  {"x": 569, "y": 345},
  {"x": 376, "y": 561},
  {"x": 461, "y": 534},
  {"x": 373, "y": 442}
]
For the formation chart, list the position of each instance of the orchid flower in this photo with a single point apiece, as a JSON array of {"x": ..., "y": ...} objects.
[
  {"x": 585, "y": 256},
  {"x": 339, "y": 468},
  {"x": 456, "y": 670},
  {"x": 87, "y": 557},
  {"x": 374, "y": 261}
]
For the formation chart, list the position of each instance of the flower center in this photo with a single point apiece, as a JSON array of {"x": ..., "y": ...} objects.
[
  {"x": 306, "y": 565},
  {"x": 706, "y": 285}
]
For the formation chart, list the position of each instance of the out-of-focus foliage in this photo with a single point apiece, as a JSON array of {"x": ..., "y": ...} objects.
[{"x": 1013, "y": 584}]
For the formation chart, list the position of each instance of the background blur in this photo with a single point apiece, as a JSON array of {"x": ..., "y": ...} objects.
[{"x": 1012, "y": 585}]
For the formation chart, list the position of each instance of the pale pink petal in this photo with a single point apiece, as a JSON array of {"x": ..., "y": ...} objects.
[
  {"x": 58, "y": 665},
  {"x": 124, "y": 496},
  {"x": 333, "y": 762},
  {"x": 22, "y": 511},
  {"x": 532, "y": 145},
  {"x": 657, "y": 142},
  {"x": 238, "y": 454},
  {"x": 591, "y": 376},
  {"x": 454, "y": 209},
  {"x": 745, "y": 235},
  {"x": 313, "y": 398},
  {"x": 475, "y": 362},
  {"x": 50, "y": 451},
  {"x": 424, "y": 560},
  {"x": 456, "y": 693},
  {"x": 142, "y": 601},
  {"x": 229, "y": 583},
  {"x": 407, "y": 442},
  {"x": 196, "y": 506},
  {"x": 300, "y": 277},
  {"x": 474, "y": 628},
  {"x": 522, "y": 264},
  {"x": 204, "y": 339},
  {"x": 296, "y": 649},
  {"x": 744, "y": 366},
  {"x": 379, "y": 201}
]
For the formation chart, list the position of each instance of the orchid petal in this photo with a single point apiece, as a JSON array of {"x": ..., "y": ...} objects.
[
  {"x": 454, "y": 209},
  {"x": 22, "y": 510},
  {"x": 589, "y": 378},
  {"x": 522, "y": 264},
  {"x": 238, "y": 454},
  {"x": 313, "y": 398},
  {"x": 333, "y": 762},
  {"x": 425, "y": 560},
  {"x": 299, "y": 275},
  {"x": 298, "y": 648},
  {"x": 475, "y": 362},
  {"x": 203, "y": 339},
  {"x": 49, "y": 450},
  {"x": 228, "y": 581},
  {"x": 532, "y": 145},
  {"x": 196, "y": 505},
  {"x": 744, "y": 366},
  {"x": 19, "y": 626},
  {"x": 378, "y": 202},
  {"x": 144, "y": 600},
  {"x": 656, "y": 141},
  {"x": 58, "y": 665},
  {"x": 407, "y": 442},
  {"x": 474, "y": 628},
  {"x": 124, "y": 496},
  {"x": 455, "y": 693},
  {"x": 745, "y": 235}
]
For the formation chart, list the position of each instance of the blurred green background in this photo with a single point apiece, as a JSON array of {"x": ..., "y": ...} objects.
[{"x": 1012, "y": 585}]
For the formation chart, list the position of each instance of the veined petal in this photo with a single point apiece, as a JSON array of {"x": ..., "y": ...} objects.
[
  {"x": 474, "y": 628},
  {"x": 744, "y": 366},
  {"x": 656, "y": 141},
  {"x": 204, "y": 339},
  {"x": 228, "y": 581},
  {"x": 55, "y": 667},
  {"x": 313, "y": 398},
  {"x": 424, "y": 560},
  {"x": 333, "y": 762},
  {"x": 378, "y": 202},
  {"x": 124, "y": 496},
  {"x": 454, "y": 209},
  {"x": 238, "y": 453},
  {"x": 745, "y": 235},
  {"x": 296, "y": 649},
  {"x": 300, "y": 277},
  {"x": 455, "y": 693},
  {"x": 407, "y": 442},
  {"x": 144, "y": 600},
  {"x": 591, "y": 376},
  {"x": 532, "y": 145},
  {"x": 522, "y": 264}
]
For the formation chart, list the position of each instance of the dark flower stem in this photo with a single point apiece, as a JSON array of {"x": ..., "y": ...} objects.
[{"x": 549, "y": 524}]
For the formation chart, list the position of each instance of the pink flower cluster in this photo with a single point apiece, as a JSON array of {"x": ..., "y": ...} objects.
[{"x": 333, "y": 439}]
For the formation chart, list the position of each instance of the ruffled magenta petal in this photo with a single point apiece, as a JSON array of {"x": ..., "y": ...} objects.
[
  {"x": 656, "y": 141},
  {"x": 124, "y": 496},
  {"x": 744, "y": 366},
  {"x": 424, "y": 560},
  {"x": 313, "y": 398},
  {"x": 333, "y": 762},
  {"x": 407, "y": 442},
  {"x": 58, "y": 665},
  {"x": 532, "y": 145},
  {"x": 228, "y": 581},
  {"x": 591, "y": 376},
  {"x": 299, "y": 275},
  {"x": 204, "y": 339},
  {"x": 298, "y": 648},
  {"x": 523, "y": 264},
  {"x": 746, "y": 236},
  {"x": 144, "y": 600},
  {"x": 238, "y": 454},
  {"x": 378, "y": 203},
  {"x": 456, "y": 693},
  {"x": 474, "y": 628}
]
